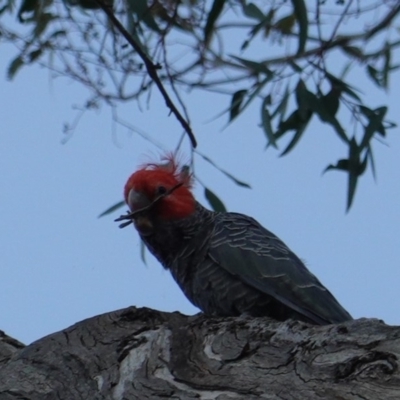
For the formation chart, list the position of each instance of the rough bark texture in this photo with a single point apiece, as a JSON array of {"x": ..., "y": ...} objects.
[{"x": 146, "y": 354}]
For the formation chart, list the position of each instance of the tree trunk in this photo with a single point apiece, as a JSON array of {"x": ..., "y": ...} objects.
[{"x": 146, "y": 354}]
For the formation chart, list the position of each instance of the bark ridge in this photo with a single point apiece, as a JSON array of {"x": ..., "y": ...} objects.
[{"x": 139, "y": 353}]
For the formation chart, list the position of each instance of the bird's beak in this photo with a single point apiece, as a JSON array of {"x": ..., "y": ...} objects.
[
  {"x": 137, "y": 200},
  {"x": 142, "y": 223}
]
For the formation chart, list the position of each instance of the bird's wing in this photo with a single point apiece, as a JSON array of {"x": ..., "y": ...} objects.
[{"x": 247, "y": 250}]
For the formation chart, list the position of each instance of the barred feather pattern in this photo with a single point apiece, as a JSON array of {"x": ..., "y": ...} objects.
[{"x": 227, "y": 264}]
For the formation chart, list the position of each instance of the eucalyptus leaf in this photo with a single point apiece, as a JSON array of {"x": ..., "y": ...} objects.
[
  {"x": 341, "y": 165},
  {"x": 42, "y": 23},
  {"x": 215, "y": 12},
  {"x": 343, "y": 86},
  {"x": 300, "y": 12},
  {"x": 354, "y": 171},
  {"x": 374, "y": 74},
  {"x": 302, "y": 99},
  {"x": 299, "y": 133},
  {"x": 113, "y": 208},
  {"x": 236, "y": 102},
  {"x": 214, "y": 201},
  {"x": 266, "y": 122},
  {"x": 375, "y": 123},
  {"x": 27, "y": 6},
  {"x": 257, "y": 67},
  {"x": 387, "y": 66},
  {"x": 14, "y": 66},
  {"x": 144, "y": 13},
  {"x": 227, "y": 174},
  {"x": 252, "y": 11},
  {"x": 34, "y": 55},
  {"x": 282, "y": 106},
  {"x": 143, "y": 252}
]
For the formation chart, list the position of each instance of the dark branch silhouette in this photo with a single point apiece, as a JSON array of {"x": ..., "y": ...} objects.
[
  {"x": 150, "y": 67},
  {"x": 146, "y": 354}
]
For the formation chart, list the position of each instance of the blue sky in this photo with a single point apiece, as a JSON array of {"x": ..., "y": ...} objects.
[{"x": 61, "y": 264}]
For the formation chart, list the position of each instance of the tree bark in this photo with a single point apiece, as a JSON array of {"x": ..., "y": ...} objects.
[{"x": 146, "y": 354}]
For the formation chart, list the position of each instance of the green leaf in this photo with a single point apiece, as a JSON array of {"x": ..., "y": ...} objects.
[
  {"x": 341, "y": 165},
  {"x": 216, "y": 9},
  {"x": 354, "y": 168},
  {"x": 257, "y": 91},
  {"x": 236, "y": 102},
  {"x": 84, "y": 4},
  {"x": 14, "y": 66},
  {"x": 299, "y": 119},
  {"x": 389, "y": 125},
  {"x": 354, "y": 51},
  {"x": 374, "y": 75},
  {"x": 257, "y": 67},
  {"x": 266, "y": 121},
  {"x": 326, "y": 107},
  {"x": 237, "y": 181},
  {"x": 282, "y": 106},
  {"x": 5, "y": 8},
  {"x": 375, "y": 124},
  {"x": 252, "y": 11},
  {"x": 331, "y": 101},
  {"x": 291, "y": 123},
  {"x": 134, "y": 28},
  {"x": 285, "y": 24},
  {"x": 295, "y": 67},
  {"x": 227, "y": 174},
  {"x": 111, "y": 209},
  {"x": 143, "y": 13},
  {"x": 302, "y": 99},
  {"x": 265, "y": 24},
  {"x": 386, "y": 67},
  {"x": 370, "y": 155},
  {"x": 299, "y": 133},
  {"x": 27, "y": 6},
  {"x": 300, "y": 12},
  {"x": 143, "y": 252},
  {"x": 42, "y": 23},
  {"x": 368, "y": 112},
  {"x": 342, "y": 86},
  {"x": 363, "y": 165},
  {"x": 34, "y": 55},
  {"x": 57, "y": 33},
  {"x": 372, "y": 114},
  {"x": 214, "y": 201}
]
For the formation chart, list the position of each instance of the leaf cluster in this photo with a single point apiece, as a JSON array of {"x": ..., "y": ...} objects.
[{"x": 225, "y": 44}]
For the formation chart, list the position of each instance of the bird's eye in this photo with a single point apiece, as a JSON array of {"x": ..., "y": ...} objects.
[{"x": 161, "y": 190}]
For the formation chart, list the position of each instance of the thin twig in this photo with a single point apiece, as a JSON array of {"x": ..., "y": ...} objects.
[
  {"x": 150, "y": 67},
  {"x": 332, "y": 42},
  {"x": 384, "y": 23},
  {"x": 339, "y": 21}
]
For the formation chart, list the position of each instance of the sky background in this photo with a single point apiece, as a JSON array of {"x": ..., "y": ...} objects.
[{"x": 61, "y": 264}]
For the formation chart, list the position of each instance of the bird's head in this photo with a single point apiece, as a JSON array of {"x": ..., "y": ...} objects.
[{"x": 161, "y": 191}]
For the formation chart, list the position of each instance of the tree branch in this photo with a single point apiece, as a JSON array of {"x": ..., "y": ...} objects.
[
  {"x": 147, "y": 354},
  {"x": 332, "y": 43},
  {"x": 384, "y": 23},
  {"x": 150, "y": 67}
]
